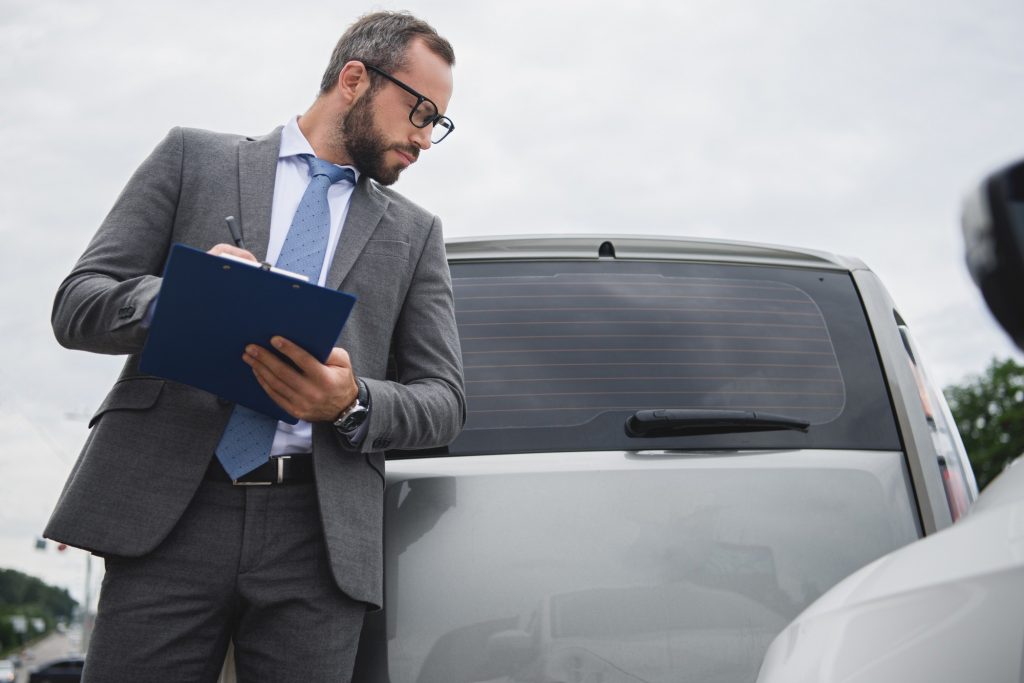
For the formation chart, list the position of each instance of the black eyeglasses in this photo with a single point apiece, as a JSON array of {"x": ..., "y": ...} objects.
[{"x": 424, "y": 112}]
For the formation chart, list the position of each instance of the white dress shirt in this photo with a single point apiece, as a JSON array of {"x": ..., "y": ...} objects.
[{"x": 289, "y": 186}]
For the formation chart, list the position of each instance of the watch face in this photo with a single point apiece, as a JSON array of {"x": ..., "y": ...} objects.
[{"x": 353, "y": 420}]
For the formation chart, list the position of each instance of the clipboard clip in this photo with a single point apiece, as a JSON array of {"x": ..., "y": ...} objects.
[
  {"x": 263, "y": 265},
  {"x": 281, "y": 271}
]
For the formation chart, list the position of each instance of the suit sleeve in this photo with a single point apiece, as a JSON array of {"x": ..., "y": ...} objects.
[
  {"x": 426, "y": 407},
  {"x": 100, "y": 306}
]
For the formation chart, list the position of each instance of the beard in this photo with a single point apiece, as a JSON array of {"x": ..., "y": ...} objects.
[{"x": 365, "y": 144}]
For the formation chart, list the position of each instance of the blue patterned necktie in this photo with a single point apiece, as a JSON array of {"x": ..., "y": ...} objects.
[{"x": 246, "y": 442}]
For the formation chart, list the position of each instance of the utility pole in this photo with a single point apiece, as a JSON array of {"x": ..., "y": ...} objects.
[{"x": 87, "y": 618}]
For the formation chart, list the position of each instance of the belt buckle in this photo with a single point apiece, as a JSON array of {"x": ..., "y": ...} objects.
[{"x": 280, "y": 474}]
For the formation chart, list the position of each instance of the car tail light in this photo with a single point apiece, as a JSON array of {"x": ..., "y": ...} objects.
[
  {"x": 957, "y": 475},
  {"x": 958, "y": 493}
]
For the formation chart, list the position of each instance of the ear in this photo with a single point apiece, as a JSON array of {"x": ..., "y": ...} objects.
[{"x": 353, "y": 80}]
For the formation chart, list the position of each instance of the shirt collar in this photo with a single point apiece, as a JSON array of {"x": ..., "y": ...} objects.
[{"x": 294, "y": 143}]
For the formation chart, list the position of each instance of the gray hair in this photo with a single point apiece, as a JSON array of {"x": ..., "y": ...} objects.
[{"x": 381, "y": 39}]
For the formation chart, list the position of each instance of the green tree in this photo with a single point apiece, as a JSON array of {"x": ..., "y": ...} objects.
[
  {"x": 989, "y": 412},
  {"x": 26, "y": 596}
]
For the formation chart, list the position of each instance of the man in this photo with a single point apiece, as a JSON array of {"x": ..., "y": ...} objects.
[{"x": 287, "y": 569}]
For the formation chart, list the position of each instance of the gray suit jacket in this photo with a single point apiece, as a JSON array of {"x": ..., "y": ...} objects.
[{"x": 151, "y": 440}]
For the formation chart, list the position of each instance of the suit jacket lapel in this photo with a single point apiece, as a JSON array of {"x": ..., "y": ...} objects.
[
  {"x": 257, "y": 170},
  {"x": 364, "y": 213}
]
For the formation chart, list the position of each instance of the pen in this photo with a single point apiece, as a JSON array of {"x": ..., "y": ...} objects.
[{"x": 236, "y": 231}]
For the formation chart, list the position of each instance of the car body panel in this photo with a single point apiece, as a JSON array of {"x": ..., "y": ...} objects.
[
  {"x": 638, "y": 247},
  {"x": 921, "y": 455},
  {"x": 949, "y": 607},
  {"x": 692, "y": 572}
]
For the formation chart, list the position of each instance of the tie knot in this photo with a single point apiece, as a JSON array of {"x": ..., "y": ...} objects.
[{"x": 326, "y": 168}]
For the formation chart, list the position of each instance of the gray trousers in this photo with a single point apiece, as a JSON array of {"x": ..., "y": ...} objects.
[{"x": 245, "y": 564}]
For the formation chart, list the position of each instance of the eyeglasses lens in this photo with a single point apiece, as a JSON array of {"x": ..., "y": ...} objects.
[
  {"x": 423, "y": 114},
  {"x": 441, "y": 129}
]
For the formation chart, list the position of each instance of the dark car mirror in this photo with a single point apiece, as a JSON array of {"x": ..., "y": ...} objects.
[{"x": 993, "y": 226}]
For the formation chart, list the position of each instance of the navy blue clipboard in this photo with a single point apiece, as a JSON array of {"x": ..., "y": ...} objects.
[{"x": 210, "y": 308}]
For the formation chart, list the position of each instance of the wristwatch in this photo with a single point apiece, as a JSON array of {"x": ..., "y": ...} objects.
[{"x": 355, "y": 414}]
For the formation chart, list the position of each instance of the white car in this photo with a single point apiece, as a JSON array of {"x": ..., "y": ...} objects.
[{"x": 949, "y": 607}]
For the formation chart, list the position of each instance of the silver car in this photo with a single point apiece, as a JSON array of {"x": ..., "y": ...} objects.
[{"x": 673, "y": 447}]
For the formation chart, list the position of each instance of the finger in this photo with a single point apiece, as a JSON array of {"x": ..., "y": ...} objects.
[
  {"x": 221, "y": 249},
  {"x": 273, "y": 370},
  {"x": 305, "y": 394},
  {"x": 282, "y": 401},
  {"x": 287, "y": 396},
  {"x": 298, "y": 355},
  {"x": 274, "y": 363},
  {"x": 317, "y": 395},
  {"x": 298, "y": 403},
  {"x": 339, "y": 357}
]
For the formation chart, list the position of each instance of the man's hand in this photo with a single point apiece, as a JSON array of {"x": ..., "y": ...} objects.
[
  {"x": 318, "y": 393},
  {"x": 219, "y": 249}
]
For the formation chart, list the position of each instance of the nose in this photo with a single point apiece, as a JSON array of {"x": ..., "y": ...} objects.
[{"x": 421, "y": 137}]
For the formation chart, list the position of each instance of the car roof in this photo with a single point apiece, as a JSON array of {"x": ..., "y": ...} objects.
[
  {"x": 70, "y": 659},
  {"x": 641, "y": 247}
]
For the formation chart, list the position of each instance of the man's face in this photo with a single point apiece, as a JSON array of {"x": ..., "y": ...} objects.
[
  {"x": 376, "y": 131},
  {"x": 366, "y": 145}
]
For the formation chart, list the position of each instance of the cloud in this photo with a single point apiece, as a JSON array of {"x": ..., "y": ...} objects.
[{"x": 846, "y": 127}]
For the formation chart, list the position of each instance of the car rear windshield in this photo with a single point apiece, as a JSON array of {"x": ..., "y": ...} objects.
[{"x": 560, "y": 354}]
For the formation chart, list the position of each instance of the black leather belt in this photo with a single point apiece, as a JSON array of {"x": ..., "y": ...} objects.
[{"x": 286, "y": 469}]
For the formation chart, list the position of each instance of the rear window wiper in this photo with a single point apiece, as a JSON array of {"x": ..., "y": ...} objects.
[{"x": 671, "y": 422}]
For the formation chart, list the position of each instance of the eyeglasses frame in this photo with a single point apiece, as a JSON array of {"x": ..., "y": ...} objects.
[{"x": 420, "y": 99}]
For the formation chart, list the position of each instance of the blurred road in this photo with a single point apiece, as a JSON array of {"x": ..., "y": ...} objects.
[{"x": 54, "y": 646}]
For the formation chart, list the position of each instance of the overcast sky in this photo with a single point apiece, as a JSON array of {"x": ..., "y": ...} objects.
[{"x": 853, "y": 127}]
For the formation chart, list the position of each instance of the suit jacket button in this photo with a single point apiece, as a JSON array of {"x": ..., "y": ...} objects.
[{"x": 126, "y": 312}]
